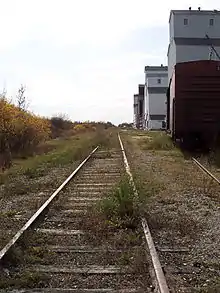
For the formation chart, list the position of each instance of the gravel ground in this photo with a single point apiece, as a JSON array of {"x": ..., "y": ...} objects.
[
  {"x": 183, "y": 214},
  {"x": 20, "y": 198},
  {"x": 119, "y": 260}
]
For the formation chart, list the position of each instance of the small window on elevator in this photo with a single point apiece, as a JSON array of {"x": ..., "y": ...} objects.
[
  {"x": 211, "y": 21},
  {"x": 159, "y": 81},
  {"x": 185, "y": 21}
]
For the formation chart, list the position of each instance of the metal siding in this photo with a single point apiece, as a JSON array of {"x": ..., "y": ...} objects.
[
  {"x": 197, "y": 94},
  {"x": 171, "y": 26},
  {"x": 141, "y": 90},
  {"x": 155, "y": 93},
  {"x": 155, "y": 125},
  {"x": 155, "y": 68},
  {"x": 141, "y": 107},
  {"x": 188, "y": 42},
  {"x": 157, "y": 75},
  {"x": 135, "y": 99},
  {"x": 152, "y": 82},
  {"x": 198, "y": 24},
  {"x": 172, "y": 59},
  {"x": 157, "y": 117},
  {"x": 138, "y": 108},
  {"x": 186, "y": 53},
  {"x": 157, "y": 104},
  {"x": 157, "y": 90},
  {"x": 135, "y": 109},
  {"x": 197, "y": 41}
]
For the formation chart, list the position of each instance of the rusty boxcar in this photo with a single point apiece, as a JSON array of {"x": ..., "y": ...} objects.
[{"x": 193, "y": 102}]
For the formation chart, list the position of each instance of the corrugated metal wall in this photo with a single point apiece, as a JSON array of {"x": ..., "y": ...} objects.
[{"x": 197, "y": 97}]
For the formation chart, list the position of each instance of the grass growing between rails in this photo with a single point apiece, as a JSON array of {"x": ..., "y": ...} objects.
[
  {"x": 116, "y": 222},
  {"x": 24, "y": 280},
  {"x": 117, "y": 210},
  {"x": 120, "y": 209}
]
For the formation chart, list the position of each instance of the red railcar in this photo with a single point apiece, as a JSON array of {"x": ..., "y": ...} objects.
[{"x": 193, "y": 102}]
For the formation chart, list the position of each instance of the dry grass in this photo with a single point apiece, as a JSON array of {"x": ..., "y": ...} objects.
[
  {"x": 180, "y": 213},
  {"x": 116, "y": 213},
  {"x": 179, "y": 221},
  {"x": 23, "y": 134},
  {"x": 115, "y": 222},
  {"x": 60, "y": 153},
  {"x": 214, "y": 288},
  {"x": 156, "y": 141},
  {"x": 24, "y": 280},
  {"x": 119, "y": 209}
]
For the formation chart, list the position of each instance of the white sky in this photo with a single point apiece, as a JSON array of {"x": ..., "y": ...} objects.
[{"x": 84, "y": 58}]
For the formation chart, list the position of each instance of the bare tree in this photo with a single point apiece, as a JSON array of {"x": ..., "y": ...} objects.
[
  {"x": 3, "y": 93},
  {"x": 21, "y": 99}
]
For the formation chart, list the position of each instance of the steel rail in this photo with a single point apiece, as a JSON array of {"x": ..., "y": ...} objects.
[
  {"x": 161, "y": 283},
  {"x": 27, "y": 225},
  {"x": 205, "y": 170}
]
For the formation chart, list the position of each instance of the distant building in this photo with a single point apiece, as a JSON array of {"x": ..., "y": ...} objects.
[
  {"x": 139, "y": 108},
  {"x": 156, "y": 83},
  {"x": 194, "y": 35},
  {"x": 135, "y": 108}
]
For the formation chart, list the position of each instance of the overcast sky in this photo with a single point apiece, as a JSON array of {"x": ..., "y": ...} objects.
[{"x": 84, "y": 58}]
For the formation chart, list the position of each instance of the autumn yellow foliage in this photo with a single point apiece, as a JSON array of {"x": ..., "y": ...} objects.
[
  {"x": 84, "y": 127},
  {"x": 20, "y": 131}
]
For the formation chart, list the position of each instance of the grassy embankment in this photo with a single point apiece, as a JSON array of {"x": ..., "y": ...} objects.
[{"x": 31, "y": 145}]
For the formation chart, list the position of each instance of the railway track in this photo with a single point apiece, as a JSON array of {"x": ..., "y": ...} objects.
[
  {"x": 205, "y": 170},
  {"x": 55, "y": 251}
]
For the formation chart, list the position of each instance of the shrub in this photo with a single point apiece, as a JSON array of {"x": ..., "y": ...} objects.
[
  {"x": 20, "y": 132},
  {"x": 60, "y": 126}
]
